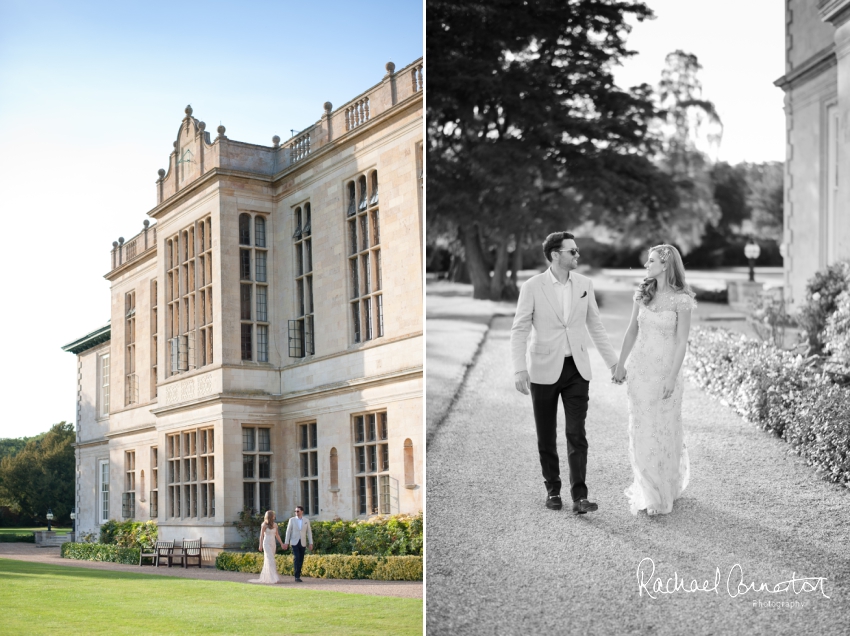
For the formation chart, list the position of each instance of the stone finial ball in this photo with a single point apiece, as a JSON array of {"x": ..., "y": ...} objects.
[
  {"x": 202, "y": 125},
  {"x": 188, "y": 110},
  {"x": 114, "y": 244},
  {"x": 390, "y": 67},
  {"x": 175, "y": 145},
  {"x": 221, "y": 130},
  {"x": 276, "y": 141},
  {"x": 146, "y": 223},
  {"x": 328, "y": 107},
  {"x": 161, "y": 172},
  {"x": 120, "y": 240}
]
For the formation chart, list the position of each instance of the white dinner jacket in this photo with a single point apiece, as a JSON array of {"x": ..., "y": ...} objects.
[
  {"x": 538, "y": 313},
  {"x": 292, "y": 530}
]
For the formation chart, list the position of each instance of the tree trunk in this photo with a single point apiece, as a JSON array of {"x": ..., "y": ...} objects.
[
  {"x": 458, "y": 271},
  {"x": 511, "y": 289},
  {"x": 500, "y": 271},
  {"x": 475, "y": 264}
]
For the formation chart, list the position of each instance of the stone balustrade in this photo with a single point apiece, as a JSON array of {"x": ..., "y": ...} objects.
[{"x": 126, "y": 251}]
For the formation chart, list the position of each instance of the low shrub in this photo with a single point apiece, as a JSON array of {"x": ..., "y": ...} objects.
[
  {"x": 711, "y": 295},
  {"x": 822, "y": 292},
  {"x": 17, "y": 538},
  {"x": 129, "y": 534},
  {"x": 837, "y": 330},
  {"x": 329, "y": 566},
  {"x": 100, "y": 552},
  {"x": 778, "y": 391}
]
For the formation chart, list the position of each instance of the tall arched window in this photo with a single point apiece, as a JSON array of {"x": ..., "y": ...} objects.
[
  {"x": 260, "y": 231},
  {"x": 364, "y": 261},
  {"x": 244, "y": 229}
]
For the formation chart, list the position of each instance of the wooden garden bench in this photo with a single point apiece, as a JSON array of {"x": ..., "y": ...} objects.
[
  {"x": 159, "y": 551},
  {"x": 191, "y": 550}
]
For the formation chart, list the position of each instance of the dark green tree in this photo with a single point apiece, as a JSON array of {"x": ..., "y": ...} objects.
[
  {"x": 41, "y": 475},
  {"x": 527, "y": 132}
]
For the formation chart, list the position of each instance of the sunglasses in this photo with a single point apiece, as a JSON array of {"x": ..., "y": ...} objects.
[{"x": 573, "y": 251}]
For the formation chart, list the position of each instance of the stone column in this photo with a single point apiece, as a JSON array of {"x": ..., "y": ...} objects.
[{"x": 837, "y": 13}]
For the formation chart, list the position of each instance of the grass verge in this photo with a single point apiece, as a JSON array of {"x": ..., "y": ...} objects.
[
  {"x": 26, "y": 530},
  {"x": 41, "y": 599}
]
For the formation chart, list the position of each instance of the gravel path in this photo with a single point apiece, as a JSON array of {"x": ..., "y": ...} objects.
[
  {"x": 749, "y": 503},
  {"x": 28, "y": 552}
]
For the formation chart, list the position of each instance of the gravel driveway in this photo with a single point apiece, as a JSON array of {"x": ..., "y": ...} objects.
[{"x": 498, "y": 562}]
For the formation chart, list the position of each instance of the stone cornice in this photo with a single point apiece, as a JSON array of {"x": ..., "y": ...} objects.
[
  {"x": 130, "y": 431},
  {"x": 817, "y": 64},
  {"x": 836, "y": 12},
  {"x": 100, "y": 441},
  {"x": 336, "y": 388},
  {"x": 89, "y": 341}
]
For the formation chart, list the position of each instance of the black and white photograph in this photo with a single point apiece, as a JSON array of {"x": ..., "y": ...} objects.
[{"x": 637, "y": 317}]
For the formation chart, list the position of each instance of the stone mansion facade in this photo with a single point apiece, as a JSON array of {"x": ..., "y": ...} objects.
[
  {"x": 265, "y": 341},
  {"x": 817, "y": 116}
]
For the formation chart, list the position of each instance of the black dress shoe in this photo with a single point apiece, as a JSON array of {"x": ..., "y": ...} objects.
[
  {"x": 298, "y": 580},
  {"x": 554, "y": 502},
  {"x": 583, "y": 506}
]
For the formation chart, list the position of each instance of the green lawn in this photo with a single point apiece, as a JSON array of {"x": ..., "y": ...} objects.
[
  {"x": 55, "y": 599},
  {"x": 26, "y": 530}
]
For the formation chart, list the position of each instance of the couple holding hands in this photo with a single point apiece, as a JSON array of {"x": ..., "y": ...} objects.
[
  {"x": 299, "y": 536},
  {"x": 556, "y": 312}
]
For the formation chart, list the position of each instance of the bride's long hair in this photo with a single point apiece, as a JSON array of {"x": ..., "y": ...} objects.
[
  {"x": 269, "y": 519},
  {"x": 669, "y": 256}
]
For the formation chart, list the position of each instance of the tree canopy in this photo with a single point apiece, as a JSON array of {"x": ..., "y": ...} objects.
[
  {"x": 526, "y": 126},
  {"x": 41, "y": 475}
]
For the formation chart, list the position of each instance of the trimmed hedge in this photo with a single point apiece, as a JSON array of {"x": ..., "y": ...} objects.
[
  {"x": 396, "y": 535},
  {"x": 100, "y": 552},
  {"x": 330, "y": 566},
  {"x": 17, "y": 538},
  {"x": 778, "y": 391}
]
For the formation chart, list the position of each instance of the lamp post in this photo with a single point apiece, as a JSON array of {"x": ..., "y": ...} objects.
[
  {"x": 49, "y": 518},
  {"x": 752, "y": 251}
]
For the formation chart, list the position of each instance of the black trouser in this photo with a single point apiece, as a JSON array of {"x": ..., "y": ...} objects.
[
  {"x": 572, "y": 388},
  {"x": 297, "y": 558}
]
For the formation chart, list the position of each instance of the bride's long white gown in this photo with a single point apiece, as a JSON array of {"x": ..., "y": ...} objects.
[
  {"x": 269, "y": 573},
  {"x": 657, "y": 448}
]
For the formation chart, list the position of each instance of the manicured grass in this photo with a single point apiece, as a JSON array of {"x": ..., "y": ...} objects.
[
  {"x": 26, "y": 530},
  {"x": 41, "y": 599}
]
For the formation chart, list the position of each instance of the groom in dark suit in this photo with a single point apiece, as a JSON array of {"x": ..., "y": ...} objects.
[{"x": 558, "y": 309}]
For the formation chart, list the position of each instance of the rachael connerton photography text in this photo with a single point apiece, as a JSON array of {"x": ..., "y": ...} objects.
[{"x": 736, "y": 585}]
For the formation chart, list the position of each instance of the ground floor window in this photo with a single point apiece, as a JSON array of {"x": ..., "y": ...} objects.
[
  {"x": 103, "y": 490},
  {"x": 372, "y": 463}
]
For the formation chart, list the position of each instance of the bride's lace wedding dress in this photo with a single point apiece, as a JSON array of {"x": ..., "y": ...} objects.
[
  {"x": 269, "y": 573},
  {"x": 657, "y": 448}
]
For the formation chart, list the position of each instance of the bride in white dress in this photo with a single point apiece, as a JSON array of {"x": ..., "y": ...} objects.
[
  {"x": 654, "y": 346},
  {"x": 268, "y": 535}
]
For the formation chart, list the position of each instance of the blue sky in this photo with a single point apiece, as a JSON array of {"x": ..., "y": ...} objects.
[{"x": 91, "y": 97}]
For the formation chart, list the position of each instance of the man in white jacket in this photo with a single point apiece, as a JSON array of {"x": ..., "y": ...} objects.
[
  {"x": 298, "y": 535},
  {"x": 558, "y": 310}
]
